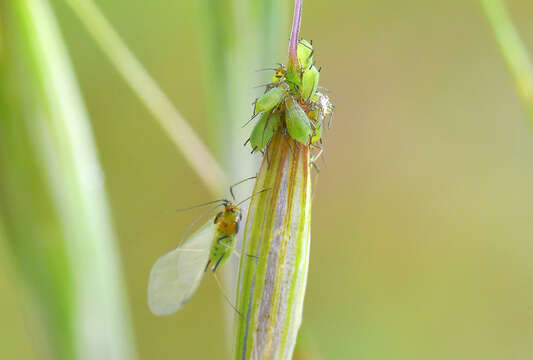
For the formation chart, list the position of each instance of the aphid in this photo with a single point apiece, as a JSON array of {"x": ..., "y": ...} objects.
[
  {"x": 176, "y": 275},
  {"x": 271, "y": 98},
  {"x": 263, "y": 131},
  {"x": 320, "y": 108},
  {"x": 305, "y": 53},
  {"x": 310, "y": 77},
  {"x": 296, "y": 121}
]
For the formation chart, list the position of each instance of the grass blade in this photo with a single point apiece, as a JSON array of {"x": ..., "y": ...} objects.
[
  {"x": 513, "y": 51},
  {"x": 67, "y": 250}
]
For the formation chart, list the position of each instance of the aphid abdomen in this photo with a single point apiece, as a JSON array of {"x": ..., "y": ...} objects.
[
  {"x": 305, "y": 53},
  {"x": 310, "y": 79},
  {"x": 221, "y": 249},
  {"x": 263, "y": 131},
  {"x": 297, "y": 122},
  {"x": 271, "y": 98}
]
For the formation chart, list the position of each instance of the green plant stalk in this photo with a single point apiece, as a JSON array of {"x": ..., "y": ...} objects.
[
  {"x": 513, "y": 51},
  {"x": 271, "y": 287},
  {"x": 76, "y": 218}
]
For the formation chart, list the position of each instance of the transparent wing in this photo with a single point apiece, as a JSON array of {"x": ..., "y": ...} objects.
[{"x": 176, "y": 275}]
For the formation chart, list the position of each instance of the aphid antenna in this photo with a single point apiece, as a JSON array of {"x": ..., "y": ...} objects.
[
  {"x": 263, "y": 85},
  {"x": 266, "y": 69},
  {"x": 238, "y": 183},
  {"x": 202, "y": 205},
  {"x": 224, "y": 294},
  {"x": 254, "y": 194}
]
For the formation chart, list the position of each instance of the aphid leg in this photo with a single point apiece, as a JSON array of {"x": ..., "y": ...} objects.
[
  {"x": 314, "y": 186},
  {"x": 290, "y": 147},
  {"x": 311, "y": 54},
  {"x": 226, "y": 296},
  {"x": 315, "y": 157},
  {"x": 266, "y": 152},
  {"x": 218, "y": 262},
  {"x": 330, "y": 119},
  {"x": 298, "y": 146},
  {"x": 222, "y": 238},
  {"x": 247, "y": 141},
  {"x": 319, "y": 149},
  {"x": 207, "y": 265},
  {"x": 217, "y": 217}
]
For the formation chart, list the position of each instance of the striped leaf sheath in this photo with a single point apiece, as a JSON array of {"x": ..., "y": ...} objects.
[{"x": 271, "y": 286}]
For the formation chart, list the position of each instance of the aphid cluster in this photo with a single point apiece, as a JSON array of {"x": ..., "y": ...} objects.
[{"x": 292, "y": 104}]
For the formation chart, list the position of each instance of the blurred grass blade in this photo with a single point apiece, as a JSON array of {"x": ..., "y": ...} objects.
[
  {"x": 278, "y": 231},
  {"x": 238, "y": 37},
  {"x": 513, "y": 50},
  {"x": 67, "y": 250},
  {"x": 157, "y": 102}
]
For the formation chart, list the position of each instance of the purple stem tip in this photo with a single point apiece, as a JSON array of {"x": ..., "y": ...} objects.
[{"x": 295, "y": 31}]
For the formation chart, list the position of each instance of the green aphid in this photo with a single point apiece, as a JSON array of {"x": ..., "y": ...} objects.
[
  {"x": 271, "y": 98},
  {"x": 297, "y": 122},
  {"x": 263, "y": 131},
  {"x": 310, "y": 79},
  {"x": 321, "y": 108},
  {"x": 305, "y": 53}
]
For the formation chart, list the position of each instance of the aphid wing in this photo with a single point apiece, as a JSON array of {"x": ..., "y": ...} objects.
[{"x": 176, "y": 275}]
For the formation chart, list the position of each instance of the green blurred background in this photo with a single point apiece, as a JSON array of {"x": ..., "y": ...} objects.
[{"x": 423, "y": 214}]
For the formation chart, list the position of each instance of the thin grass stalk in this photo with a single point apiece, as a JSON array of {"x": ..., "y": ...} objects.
[
  {"x": 72, "y": 230},
  {"x": 148, "y": 91},
  {"x": 513, "y": 50}
]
